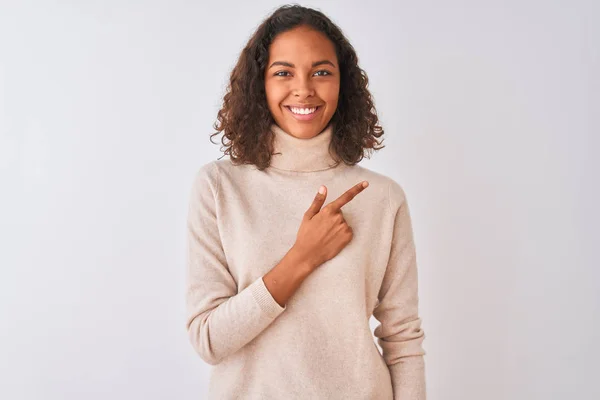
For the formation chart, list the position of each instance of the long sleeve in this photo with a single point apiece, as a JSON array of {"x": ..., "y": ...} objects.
[
  {"x": 219, "y": 320},
  {"x": 399, "y": 332}
]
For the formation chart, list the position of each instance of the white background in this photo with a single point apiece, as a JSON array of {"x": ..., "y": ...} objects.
[{"x": 491, "y": 112}]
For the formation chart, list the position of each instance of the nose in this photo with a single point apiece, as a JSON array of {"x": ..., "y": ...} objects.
[{"x": 303, "y": 88}]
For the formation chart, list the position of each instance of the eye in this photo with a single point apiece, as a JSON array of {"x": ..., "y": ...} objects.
[
  {"x": 325, "y": 71},
  {"x": 278, "y": 73}
]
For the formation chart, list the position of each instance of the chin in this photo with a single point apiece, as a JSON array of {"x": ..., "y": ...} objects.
[{"x": 304, "y": 131}]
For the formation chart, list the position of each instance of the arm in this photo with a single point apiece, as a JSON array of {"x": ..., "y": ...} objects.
[
  {"x": 399, "y": 332},
  {"x": 287, "y": 276},
  {"x": 220, "y": 320}
]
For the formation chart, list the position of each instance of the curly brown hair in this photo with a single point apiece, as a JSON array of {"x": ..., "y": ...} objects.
[{"x": 245, "y": 119}]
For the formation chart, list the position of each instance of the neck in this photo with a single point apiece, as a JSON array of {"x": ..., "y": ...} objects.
[{"x": 304, "y": 155}]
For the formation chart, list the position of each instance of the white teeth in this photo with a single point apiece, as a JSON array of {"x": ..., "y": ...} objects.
[{"x": 303, "y": 111}]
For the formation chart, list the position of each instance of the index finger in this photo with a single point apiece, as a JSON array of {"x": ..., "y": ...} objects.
[{"x": 348, "y": 195}]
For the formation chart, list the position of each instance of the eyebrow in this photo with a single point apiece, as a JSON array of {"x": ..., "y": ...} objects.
[{"x": 289, "y": 64}]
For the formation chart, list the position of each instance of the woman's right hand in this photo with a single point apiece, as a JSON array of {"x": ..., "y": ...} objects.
[{"x": 324, "y": 232}]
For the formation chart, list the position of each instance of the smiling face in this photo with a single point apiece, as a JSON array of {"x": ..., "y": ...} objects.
[{"x": 302, "y": 81}]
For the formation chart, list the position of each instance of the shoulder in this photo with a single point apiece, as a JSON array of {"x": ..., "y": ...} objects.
[
  {"x": 393, "y": 189},
  {"x": 213, "y": 172},
  {"x": 206, "y": 176}
]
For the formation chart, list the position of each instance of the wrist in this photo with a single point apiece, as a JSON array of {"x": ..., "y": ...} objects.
[{"x": 301, "y": 259}]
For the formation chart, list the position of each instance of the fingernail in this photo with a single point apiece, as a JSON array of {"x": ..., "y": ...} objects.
[
  {"x": 365, "y": 184},
  {"x": 322, "y": 190}
]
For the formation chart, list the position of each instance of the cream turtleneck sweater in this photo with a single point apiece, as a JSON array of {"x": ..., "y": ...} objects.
[{"x": 241, "y": 222}]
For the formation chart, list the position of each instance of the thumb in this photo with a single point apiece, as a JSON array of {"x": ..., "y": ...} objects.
[{"x": 317, "y": 203}]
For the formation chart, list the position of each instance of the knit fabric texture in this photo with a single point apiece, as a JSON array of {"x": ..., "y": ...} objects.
[{"x": 241, "y": 222}]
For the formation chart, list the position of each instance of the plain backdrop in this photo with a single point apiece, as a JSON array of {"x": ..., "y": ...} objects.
[{"x": 491, "y": 113}]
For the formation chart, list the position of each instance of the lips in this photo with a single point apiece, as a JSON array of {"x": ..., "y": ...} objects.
[
  {"x": 304, "y": 117},
  {"x": 302, "y": 107}
]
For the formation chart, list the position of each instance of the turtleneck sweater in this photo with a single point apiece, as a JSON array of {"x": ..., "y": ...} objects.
[{"x": 319, "y": 345}]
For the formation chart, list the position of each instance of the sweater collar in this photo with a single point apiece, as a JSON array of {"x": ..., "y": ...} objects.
[{"x": 304, "y": 155}]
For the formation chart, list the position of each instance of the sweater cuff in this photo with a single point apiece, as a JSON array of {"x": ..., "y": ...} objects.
[{"x": 265, "y": 299}]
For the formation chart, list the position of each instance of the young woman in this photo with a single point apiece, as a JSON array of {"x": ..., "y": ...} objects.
[{"x": 280, "y": 285}]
